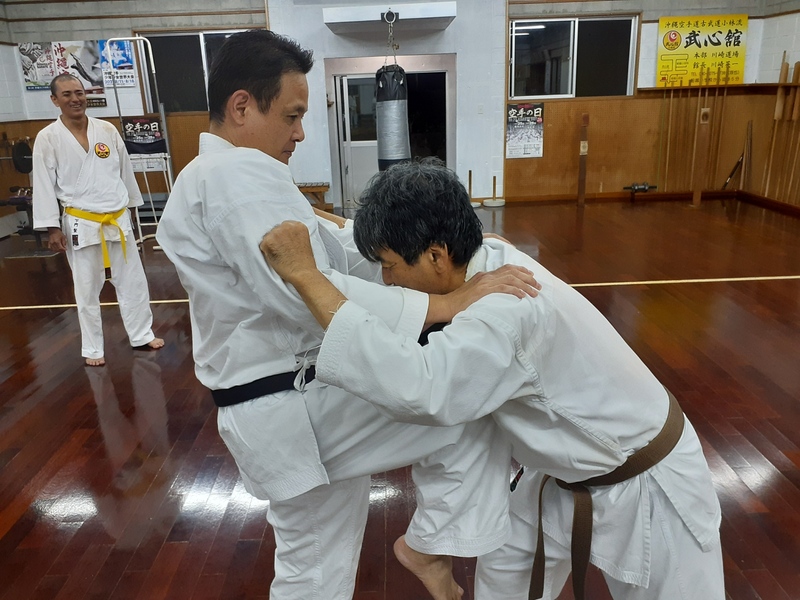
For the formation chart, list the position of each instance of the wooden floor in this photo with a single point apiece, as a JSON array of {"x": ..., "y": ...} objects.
[{"x": 114, "y": 482}]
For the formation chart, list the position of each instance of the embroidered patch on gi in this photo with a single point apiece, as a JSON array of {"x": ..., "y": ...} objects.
[{"x": 102, "y": 150}]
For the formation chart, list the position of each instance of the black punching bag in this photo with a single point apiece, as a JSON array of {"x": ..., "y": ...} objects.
[{"x": 391, "y": 110}]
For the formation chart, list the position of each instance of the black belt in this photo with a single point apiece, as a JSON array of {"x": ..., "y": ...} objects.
[
  {"x": 282, "y": 381},
  {"x": 260, "y": 387}
]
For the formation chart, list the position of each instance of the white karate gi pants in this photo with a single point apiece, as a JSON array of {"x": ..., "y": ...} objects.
[
  {"x": 461, "y": 474},
  {"x": 88, "y": 277},
  {"x": 679, "y": 568}
]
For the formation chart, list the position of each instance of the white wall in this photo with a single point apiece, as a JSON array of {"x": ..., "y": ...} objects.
[
  {"x": 780, "y": 33},
  {"x": 477, "y": 36},
  {"x": 12, "y": 107}
]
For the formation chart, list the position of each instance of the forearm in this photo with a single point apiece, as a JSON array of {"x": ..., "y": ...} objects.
[
  {"x": 439, "y": 310},
  {"x": 336, "y": 219},
  {"x": 320, "y": 295}
]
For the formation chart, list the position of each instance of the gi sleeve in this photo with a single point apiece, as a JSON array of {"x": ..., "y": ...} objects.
[
  {"x": 237, "y": 234},
  {"x": 127, "y": 174},
  {"x": 45, "y": 202},
  {"x": 356, "y": 264},
  {"x": 466, "y": 371}
]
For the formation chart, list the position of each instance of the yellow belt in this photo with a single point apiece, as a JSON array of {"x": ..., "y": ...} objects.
[{"x": 103, "y": 219}]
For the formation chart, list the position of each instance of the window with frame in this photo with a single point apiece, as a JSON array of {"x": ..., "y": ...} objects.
[
  {"x": 569, "y": 58},
  {"x": 183, "y": 61}
]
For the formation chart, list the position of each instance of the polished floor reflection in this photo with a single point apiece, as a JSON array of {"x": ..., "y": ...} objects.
[{"x": 114, "y": 482}]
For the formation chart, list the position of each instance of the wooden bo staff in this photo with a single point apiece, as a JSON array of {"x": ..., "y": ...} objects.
[
  {"x": 696, "y": 125},
  {"x": 680, "y": 136},
  {"x": 721, "y": 117},
  {"x": 794, "y": 117},
  {"x": 669, "y": 137},
  {"x": 788, "y": 111},
  {"x": 780, "y": 100},
  {"x": 716, "y": 125},
  {"x": 702, "y": 139}
]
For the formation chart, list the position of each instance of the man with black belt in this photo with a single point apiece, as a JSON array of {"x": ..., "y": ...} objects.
[
  {"x": 307, "y": 447},
  {"x": 576, "y": 402}
]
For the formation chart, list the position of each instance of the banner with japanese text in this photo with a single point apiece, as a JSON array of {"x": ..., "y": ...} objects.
[{"x": 701, "y": 50}]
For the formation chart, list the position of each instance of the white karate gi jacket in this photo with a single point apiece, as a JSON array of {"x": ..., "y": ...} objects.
[
  {"x": 571, "y": 394},
  {"x": 100, "y": 181},
  {"x": 247, "y": 323}
]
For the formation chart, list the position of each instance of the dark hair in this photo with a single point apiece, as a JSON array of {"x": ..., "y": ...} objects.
[
  {"x": 62, "y": 77},
  {"x": 412, "y": 205},
  {"x": 253, "y": 61}
]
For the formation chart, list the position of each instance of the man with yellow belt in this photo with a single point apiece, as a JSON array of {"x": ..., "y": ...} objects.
[
  {"x": 82, "y": 164},
  {"x": 632, "y": 492}
]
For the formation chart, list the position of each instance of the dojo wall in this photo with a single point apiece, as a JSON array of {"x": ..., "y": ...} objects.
[
  {"x": 629, "y": 137},
  {"x": 618, "y": 156}
]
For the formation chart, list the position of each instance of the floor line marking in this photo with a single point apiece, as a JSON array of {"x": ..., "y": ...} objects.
[
  {"x": 48, "y": 306},
  {"x": 575, "y": 285},
  {"x": 675, "y": 281}
]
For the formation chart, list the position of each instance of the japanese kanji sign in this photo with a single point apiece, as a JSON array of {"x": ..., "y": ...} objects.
[
  {"x": 143, "y": 130},
  {"x": 701, "y": 50},
  {"x": 525, "y": 130}
]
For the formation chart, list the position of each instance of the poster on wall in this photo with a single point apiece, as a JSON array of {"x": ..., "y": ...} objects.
[
  {"x": 704, "y": 50},
  {"x": 41, "y": 61},
  {"x": 121, "y": 66},
  {"x": 82, "y": 59},
  {"x": 142, "y": 130},
  {"x": 525, "y": 130},
  {"x": 38, "y": 67}
]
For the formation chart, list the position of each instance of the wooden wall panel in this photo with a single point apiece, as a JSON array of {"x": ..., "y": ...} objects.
[
  {"x": 623, "y": 145},
  {"x": 651, "y": 138},
  {"x": 184, "y": 131}
]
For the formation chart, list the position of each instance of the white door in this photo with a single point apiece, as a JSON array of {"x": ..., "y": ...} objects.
[{"x": 358, "y": 140}]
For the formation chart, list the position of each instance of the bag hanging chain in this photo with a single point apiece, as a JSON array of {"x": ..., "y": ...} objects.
[{"x": 390, "y": 17}]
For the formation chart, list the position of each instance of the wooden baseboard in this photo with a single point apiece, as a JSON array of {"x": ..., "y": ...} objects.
[{"x": 780, "y": 207}]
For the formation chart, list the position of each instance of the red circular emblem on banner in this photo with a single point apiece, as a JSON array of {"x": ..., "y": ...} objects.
[{"x": 672, "y": 40}]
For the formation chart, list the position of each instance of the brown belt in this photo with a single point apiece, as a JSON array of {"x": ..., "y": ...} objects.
[{"x": 636, "y": 464}]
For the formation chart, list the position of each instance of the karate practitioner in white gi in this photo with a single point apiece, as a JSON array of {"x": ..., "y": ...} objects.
[
  {"x": 307, "y": 447},
  {"x": 570, "y": 394},
  {"x": 81, "y": 163}
]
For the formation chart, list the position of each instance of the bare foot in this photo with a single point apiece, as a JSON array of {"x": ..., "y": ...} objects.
[
  {"x": 154, "y": 344},
  {"x": 95, "y": 362},
  {"x": 434, "y": 571}
]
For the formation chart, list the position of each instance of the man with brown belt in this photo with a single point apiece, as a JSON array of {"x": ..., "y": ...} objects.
[
  {"x": 574, "y": 399},
  {"x": 82, "y": 164}
]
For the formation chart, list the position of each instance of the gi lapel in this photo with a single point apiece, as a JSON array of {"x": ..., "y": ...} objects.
[{"x": 85, "y": 174}]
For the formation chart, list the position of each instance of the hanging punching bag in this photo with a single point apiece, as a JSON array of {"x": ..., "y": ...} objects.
[{"x": 391, "y": 112}]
